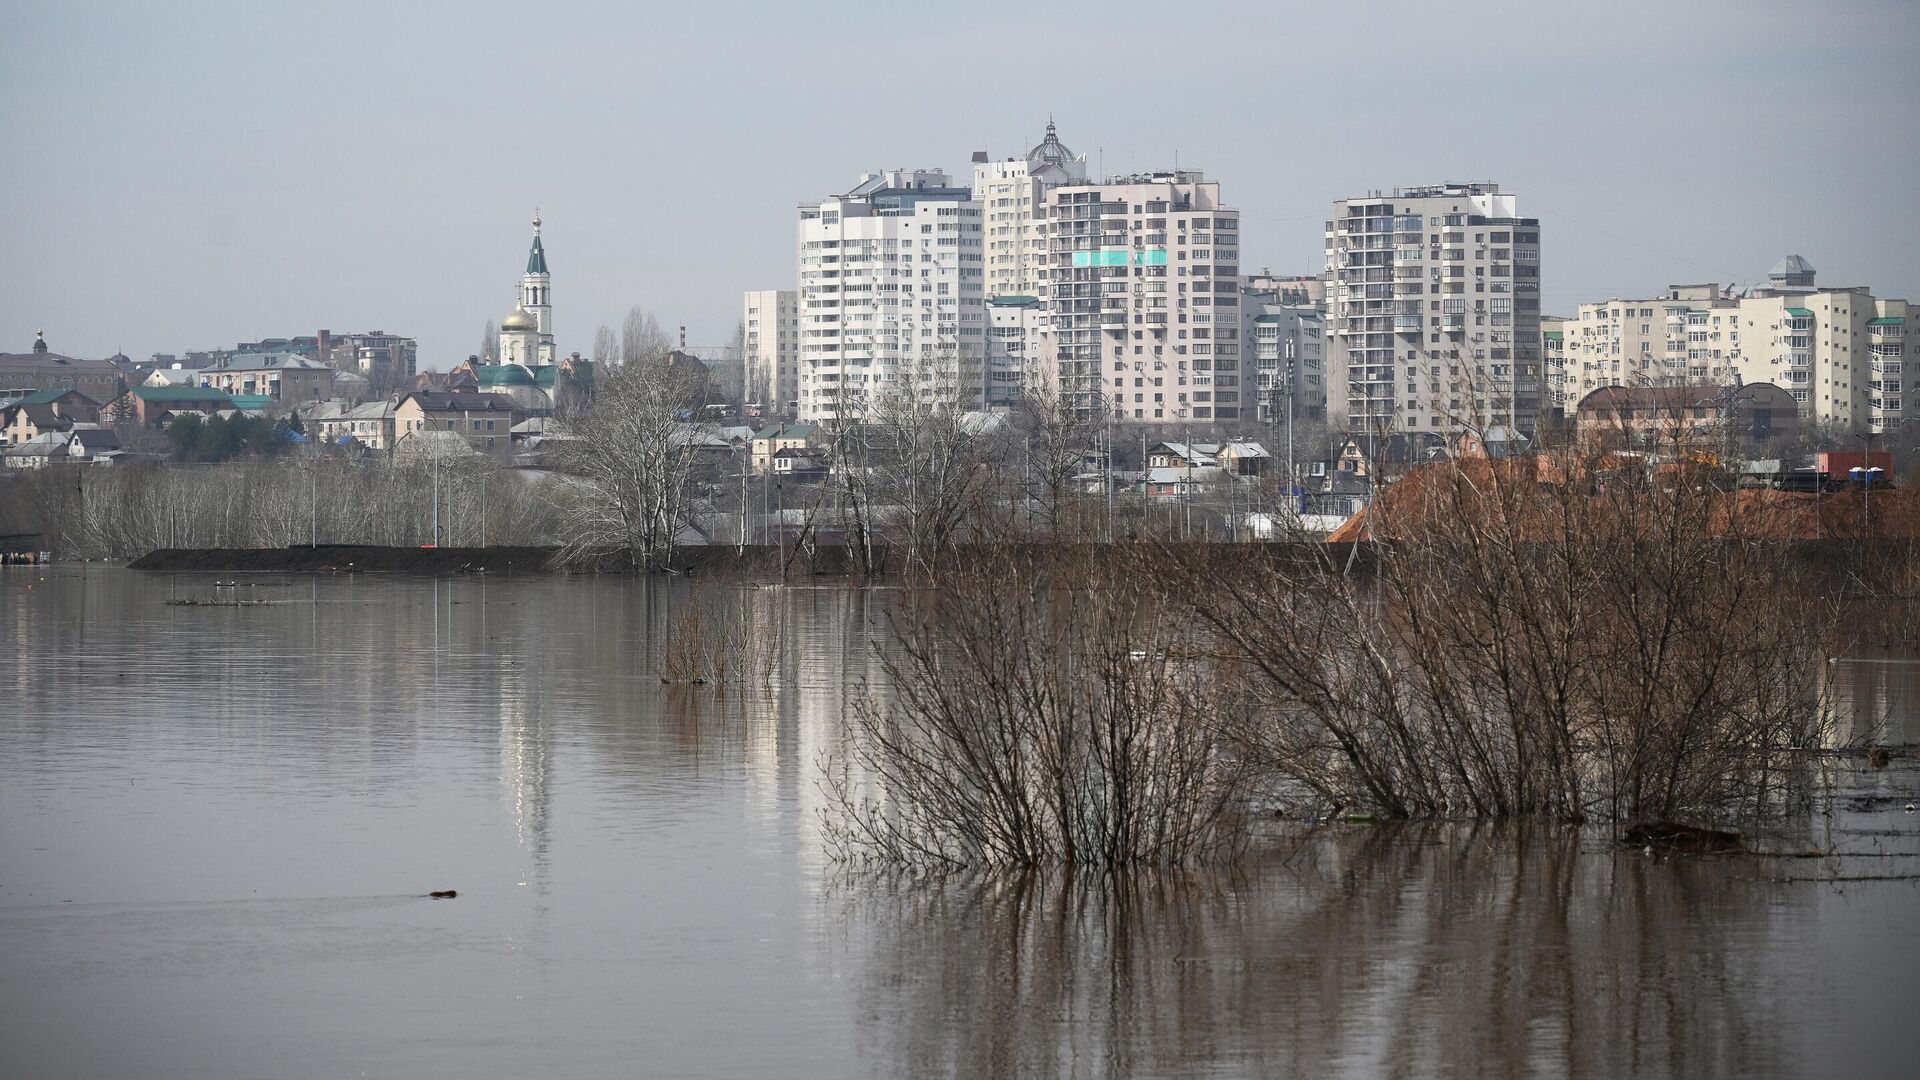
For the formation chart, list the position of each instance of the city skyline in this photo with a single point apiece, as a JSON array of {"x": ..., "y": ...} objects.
[{"x": 190, "y": 185}]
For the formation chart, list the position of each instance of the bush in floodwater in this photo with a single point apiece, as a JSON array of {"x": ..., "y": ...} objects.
[
  {"x": 1535, "y": 638},
  {"x": 1036, "y": 712}
]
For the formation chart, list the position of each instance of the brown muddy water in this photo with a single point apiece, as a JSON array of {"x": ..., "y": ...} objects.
[{"x": 219, "y": 824}]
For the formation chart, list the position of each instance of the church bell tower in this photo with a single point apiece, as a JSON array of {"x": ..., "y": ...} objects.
[{"x": 536, "y": 293}]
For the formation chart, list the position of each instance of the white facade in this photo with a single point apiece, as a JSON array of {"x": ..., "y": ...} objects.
[
  {"x": 771, "y": 342},
  {"x": 1839, "y": 352},
  {"x": 1433, "y": 297},
  {"x": 891, "y": 295},
  {"x": 1013, "y": 208},
  {"x": 1015, "y": 361},
  {"x": 1143, "y": 297}
]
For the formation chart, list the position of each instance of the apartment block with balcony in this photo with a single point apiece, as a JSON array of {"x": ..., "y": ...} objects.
[
  {"x": 1143, "y": 298},
  {"x": 1838, "y": 352},
  {"x": 891, "y": 296},
  {"x": 1283, "y": 348},
  {"x": 1433, "y": 297},
  {"x": 1687, "y": 337},
  {"x": 770, "y": 323}
]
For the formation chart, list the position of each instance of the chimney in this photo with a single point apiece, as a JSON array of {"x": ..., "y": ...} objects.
[
  {"x": 683, "y": 339},
  {"x": 325, "y": 347}
]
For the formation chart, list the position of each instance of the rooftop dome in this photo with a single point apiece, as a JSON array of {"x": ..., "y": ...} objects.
[
  {"x": 1051, "y": 151},
  {"x": 519, "y": 319}
]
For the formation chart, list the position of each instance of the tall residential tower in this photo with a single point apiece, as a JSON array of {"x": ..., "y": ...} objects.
[
  {"x": 890, "y": 295},
  {"x": 1434, "y": 310},
  {"x": 1143, "y": 297}
]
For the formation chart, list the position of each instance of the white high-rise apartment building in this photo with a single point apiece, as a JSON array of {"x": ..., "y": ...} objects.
[
  {"x": 771, "y": 341},
  {"x": 1839, "y": 352},
  {"x": 1284, "y": 348},
  {"x": 1143, "y": 297},
  {"x": 890, "y": 295},
  {"x": 1689, "y": 337},
  {"x": 1013, "y": 207},
  {"x": 1433, "y": 298}
]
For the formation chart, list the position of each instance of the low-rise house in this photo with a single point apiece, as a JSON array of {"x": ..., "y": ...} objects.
[
  {"x": 1244, "y": 458},
  {"x": 37, "y": 452},
  {"x": 172, "y": 376},
  {"x": 156, "y": 406},
  {"x": 1172, "y": 482},
  {"x": 1179, "y": 455},
  {"x": 370, "y": 424},
  {"x": 486, "y": 420},
  {"x": 287, "y": 378},
  {"x": 774, "y": 438},
  {"x": 92, "y": 444},
  {"x": 800, "y": 463},
  {"x": 25, "y": 416}
]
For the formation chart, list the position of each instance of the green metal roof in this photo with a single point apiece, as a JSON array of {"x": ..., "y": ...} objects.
[
  {"x": 504, "y": 375},
  {"x": 1015, "y": 300},
  {"x": 1887, "y": 320},
  {"x": 1800, "y": 312},
  {"x": 536, "y": 257},
  {"x": 180, "y": 393},
  {"x": 45, "y": 397},
  {"x": 252, "y": 401},
  {"x": 1555, "y": 334}
]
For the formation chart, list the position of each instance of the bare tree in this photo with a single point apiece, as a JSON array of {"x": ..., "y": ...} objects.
[
  {"x": 606, "y": 346},
  {"x": 634, "y": 454},
  {"x": 641, "y": 336},
  {"x": 489, "y": 341},
  {"x": 920, "y": 463},
  {"x": 1037, "y": 713}
]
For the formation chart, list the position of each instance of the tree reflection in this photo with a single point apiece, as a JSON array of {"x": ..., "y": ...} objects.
[{"x": 1423, "y": 951}]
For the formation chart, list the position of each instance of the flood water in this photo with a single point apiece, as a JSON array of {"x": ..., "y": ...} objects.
[{"x": 218, "y": 826}]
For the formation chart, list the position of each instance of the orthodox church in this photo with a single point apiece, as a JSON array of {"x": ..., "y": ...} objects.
[
  {"x": 526, "y": 334},
  {"x": 526, "y": 366}
]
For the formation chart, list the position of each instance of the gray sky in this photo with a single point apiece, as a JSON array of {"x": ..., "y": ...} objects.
[{"x": 190, "y": 175}]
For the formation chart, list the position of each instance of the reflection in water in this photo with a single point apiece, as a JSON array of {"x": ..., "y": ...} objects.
[
  {"x": 1442, "y": 951},
  {"x": 243, "y": 806}
]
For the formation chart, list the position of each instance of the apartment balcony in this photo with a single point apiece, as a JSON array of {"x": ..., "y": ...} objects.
[
  {"x": 1879, "y": 331},
  {"x": 1453, "y": 324},
  {"x": 1406, "y": 324},
  {"x": 1884, "y": 367}
]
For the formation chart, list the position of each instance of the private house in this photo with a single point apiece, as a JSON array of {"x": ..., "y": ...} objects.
[
  {"x": 288, "y": 379},
  {"x": 1244, "y": 458},
  {"x": 370, "y": 424},
  {"x": 800, "y": 463},
  {"x": 22, "y": 418},
  {"x": 1179, "y": 481},
  {"x": 172, "y": 376},
  {"x": 156, "y": 406},
  {"x": 1179, "y": 455},
  {"x": 92, "y": 444},
  {"x": 37, "y": 452},
  {"x": 485, "y": 420},
  {"x": 772, "y": 439}
]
